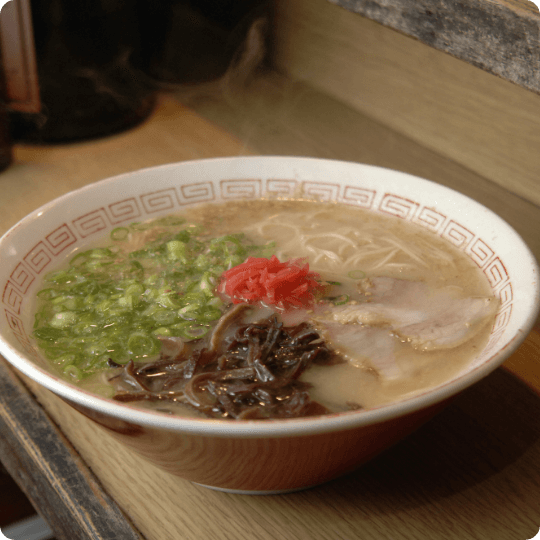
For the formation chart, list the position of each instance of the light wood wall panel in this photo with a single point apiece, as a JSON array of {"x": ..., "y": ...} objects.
[{"x": 486, "y": 124}]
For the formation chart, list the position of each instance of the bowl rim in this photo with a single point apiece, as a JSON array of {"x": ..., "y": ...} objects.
[{"x": 273, "y": 427}]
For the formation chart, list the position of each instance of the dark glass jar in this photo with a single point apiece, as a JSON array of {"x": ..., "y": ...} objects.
[
  {"x": 194, "y": 41},
  {"x": 88, "y": 84}
]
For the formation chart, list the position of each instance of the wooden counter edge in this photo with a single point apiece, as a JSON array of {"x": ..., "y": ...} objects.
[
  {"x": 50, "y": 472},
  {"x": 499, "y": 36}
]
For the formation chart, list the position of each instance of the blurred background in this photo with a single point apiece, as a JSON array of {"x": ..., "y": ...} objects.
[{"x": 91, "y": 68}]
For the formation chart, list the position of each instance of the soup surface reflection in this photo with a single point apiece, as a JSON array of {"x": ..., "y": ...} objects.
[{"x": 265, "y": 309}]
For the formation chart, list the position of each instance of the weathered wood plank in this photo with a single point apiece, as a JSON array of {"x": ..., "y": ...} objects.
[
  {"x": 499, "y": 36},
  {"x": 50, "y": 471}
]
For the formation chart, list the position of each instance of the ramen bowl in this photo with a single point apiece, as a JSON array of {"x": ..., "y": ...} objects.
[{"x": 278, "y": 455}]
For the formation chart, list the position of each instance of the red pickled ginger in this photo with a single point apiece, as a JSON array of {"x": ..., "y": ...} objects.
[{"x": 286, "y": 285}]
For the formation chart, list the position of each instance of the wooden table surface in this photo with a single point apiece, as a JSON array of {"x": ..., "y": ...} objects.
[{"x": 473, "y": 472}]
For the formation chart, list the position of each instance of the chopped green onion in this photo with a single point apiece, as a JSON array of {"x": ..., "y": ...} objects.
[
  {"x": 189, "y": 331},
  {"x": 163, "y": 331},
  {"x": 176, "y": 250},
  {"x": 47, "y": 294},
  {"x": 340, "y": 300},
  {"x": 356, "y": 274},
  {"x": 120, "y": 233},
  {"x": 111, "y": 303},
  {"x": 63, "y": 319},
  {"x": 48, "y": 333},
  {"x": 142, "y": 344},
  {"x": 73, "y": 373},
  {"x": 210, "y": 314}
]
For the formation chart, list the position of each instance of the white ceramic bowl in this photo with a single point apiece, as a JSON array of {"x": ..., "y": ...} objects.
[{"x": 277, "y": 455}]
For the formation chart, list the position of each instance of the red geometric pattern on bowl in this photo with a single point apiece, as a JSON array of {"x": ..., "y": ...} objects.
[
  {"x": 60, "y": 239},
  {"x": 159, "y": 201},
  {"x": 479, "y": 252},
  {"x": 39, "y": 257},
  {"x": 430, "y": 219},
  {"x": 12, "y": 298},
  {"x": 96, "y": 222},
  {"x": 91, "y": 223},
  {"x": 397, "y": 206},
  {"x": 282, "y": 188},
  {"x": 21, "y": 277},
  {"x": 241, "y": 189},
  {"x": 321, "y": 191},
  {"x": 502, "y": 318},
  {"x": 506, "y": 294},
  {"x": 16, "y": 324},
  {"x": 125, "y": 210},
  {"x": 496, "y": 273},
  {"x": 457, "y": 234},
  {"x": 197, "y": 192},
  {"x": 362, "y": 197}
]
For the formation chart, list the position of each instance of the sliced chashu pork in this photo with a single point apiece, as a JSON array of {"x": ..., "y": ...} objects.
[
  {"x": 429, "y": 319},
  {"x": 365, "y": 347}
]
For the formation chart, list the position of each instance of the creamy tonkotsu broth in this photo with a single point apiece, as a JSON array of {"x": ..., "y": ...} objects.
[{"x": 385, "y": 310}]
